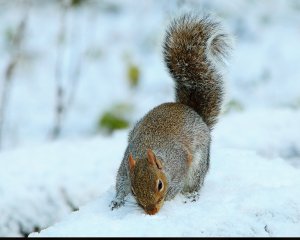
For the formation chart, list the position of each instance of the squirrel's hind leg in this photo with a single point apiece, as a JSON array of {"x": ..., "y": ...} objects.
[
  {"x": 196, "y": 175},
  {"x": 192, "y": 193}
]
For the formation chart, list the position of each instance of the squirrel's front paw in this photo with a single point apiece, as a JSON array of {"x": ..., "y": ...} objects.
[{"x": 116, "y": 204}]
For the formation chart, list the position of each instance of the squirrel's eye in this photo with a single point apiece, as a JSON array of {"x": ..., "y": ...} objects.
[
  {"x": 160, "y": 185},
  {"x": 133, "y": 192}
]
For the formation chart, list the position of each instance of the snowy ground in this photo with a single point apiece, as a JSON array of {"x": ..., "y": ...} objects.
[
  {"x": 234, "y": 202},
  {"x": 40, "y": 185},
  {"x": 252, "y": 188},
  {"x": 246, "y": 193}
]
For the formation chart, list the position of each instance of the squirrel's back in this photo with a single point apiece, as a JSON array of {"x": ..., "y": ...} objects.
[
  {"x": 164, "y": 126},
  {"x": 193, "y": 48}
]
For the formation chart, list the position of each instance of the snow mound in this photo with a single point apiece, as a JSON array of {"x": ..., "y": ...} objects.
[
  {"x": 38, "y": 186},
  {"x": 244, "y": 194}
]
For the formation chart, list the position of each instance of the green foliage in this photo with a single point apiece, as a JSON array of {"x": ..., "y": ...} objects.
[
  {"x": 76, "y": 3},
  {"x": 133, "y": 75},
  {"x": 233, "y": 105},
  {"x": 112, "y": 122},
  {"x": 132, "y": 71},
  {"x": 115, "y": 118}
]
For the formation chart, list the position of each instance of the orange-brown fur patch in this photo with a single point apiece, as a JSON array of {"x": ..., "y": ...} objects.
[{"x": 189, "y": 159}]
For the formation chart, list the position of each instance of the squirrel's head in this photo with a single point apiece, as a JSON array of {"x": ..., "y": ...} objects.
[{"x": 148, "y": 182}]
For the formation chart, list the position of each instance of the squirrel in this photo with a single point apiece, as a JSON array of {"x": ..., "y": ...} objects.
[{"x": 168, "y": 149}]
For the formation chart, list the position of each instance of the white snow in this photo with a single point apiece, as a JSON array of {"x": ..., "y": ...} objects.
[
  {"x": 252, "y": 188},
  {"x": 249, "y": 190},
  {"x": 40, "y": 185},
  {"x": 243, "y": 195}
]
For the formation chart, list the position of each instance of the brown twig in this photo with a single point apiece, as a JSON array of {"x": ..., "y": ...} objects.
[
  {"x": 63, "y": 104},
  {"x": 9, "y": 71},
  {"x": 59, "y": 90}
]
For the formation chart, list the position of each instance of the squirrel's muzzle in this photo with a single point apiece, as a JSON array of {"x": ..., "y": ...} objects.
[{"x": 151, "y": 210}]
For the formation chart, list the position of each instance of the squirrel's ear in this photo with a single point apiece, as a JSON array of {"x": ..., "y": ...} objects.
[
  {"x": 152, "y": 159},
  {"x": 131, "y": 162}
]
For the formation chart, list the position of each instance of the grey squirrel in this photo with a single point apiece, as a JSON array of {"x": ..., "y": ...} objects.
[{"x": 168, "y": 149}]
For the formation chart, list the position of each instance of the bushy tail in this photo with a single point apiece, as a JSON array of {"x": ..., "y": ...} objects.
[{"x": 193, "y": 48}]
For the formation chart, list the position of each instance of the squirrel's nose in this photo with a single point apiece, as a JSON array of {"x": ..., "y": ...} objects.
[{"x": 151, "y": 210}]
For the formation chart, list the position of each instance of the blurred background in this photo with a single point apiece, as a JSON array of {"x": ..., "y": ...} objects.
[{"x": 79, "y": 69}]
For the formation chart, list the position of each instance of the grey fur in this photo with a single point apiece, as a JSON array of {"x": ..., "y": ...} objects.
[
  {"x": 194, "y": 47},
  {"x": 179, "y": 133}
]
